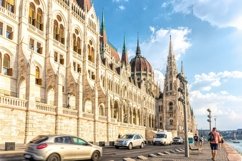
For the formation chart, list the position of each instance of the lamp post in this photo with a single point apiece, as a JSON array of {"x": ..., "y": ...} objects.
[
  {"x": 209, "y": 118},
  {"x": 182, "y": 99},
  {"x": 215, "y": 121}
]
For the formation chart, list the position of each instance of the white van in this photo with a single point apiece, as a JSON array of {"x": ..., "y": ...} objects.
[{"x": 163, "y": 138}]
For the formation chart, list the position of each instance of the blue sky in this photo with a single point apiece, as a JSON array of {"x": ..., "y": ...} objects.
[{"x": 206, "y": 35}]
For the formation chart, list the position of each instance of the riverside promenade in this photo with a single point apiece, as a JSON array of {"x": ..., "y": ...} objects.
[{"x": 225, "y": 153}]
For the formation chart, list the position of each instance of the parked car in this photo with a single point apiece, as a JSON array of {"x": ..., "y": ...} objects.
[
  {"x": 178, "y": 140},
  {"x": 61, "y": 147},
  {"x": 130, "y": 141}
]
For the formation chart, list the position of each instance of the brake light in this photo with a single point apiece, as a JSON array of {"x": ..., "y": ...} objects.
[{"x": 42, "y": 146}]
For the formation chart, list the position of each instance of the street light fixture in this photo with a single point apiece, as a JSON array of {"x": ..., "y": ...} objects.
[
  {"x": 182, "y": 99},
  {"x": 209, "y": 118}
]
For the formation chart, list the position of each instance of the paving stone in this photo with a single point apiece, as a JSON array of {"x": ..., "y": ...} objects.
[
  {"x": 152, "y": 155},
  {"x": 128, "y": 159},
  {"x": 142, "y": 157}
]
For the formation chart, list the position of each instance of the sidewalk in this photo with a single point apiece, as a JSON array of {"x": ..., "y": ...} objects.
[{"x": 225, "y": 153}]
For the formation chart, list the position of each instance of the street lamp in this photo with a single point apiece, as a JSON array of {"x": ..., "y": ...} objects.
[
  {"x": 182, "y": 99},
  {"x": 209, "y": 118}
]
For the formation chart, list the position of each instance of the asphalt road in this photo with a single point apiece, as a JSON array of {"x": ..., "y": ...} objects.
[{"x": 112, "y": 154}]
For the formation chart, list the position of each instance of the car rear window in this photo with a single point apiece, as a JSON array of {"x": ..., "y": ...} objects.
[{"x": 39, "y": 139}]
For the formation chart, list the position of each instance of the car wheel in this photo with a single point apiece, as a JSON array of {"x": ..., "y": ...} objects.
[
  {"x": 53, "y": 157},
  {"x": 130, "y": 146},
  {"x": 142, "y": 145},
  {"x": 117, "y": 147},
  {"x": 95, "y": 156}
]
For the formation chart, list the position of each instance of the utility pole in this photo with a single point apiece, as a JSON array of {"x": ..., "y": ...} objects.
[{"x": 182, "y": 99}]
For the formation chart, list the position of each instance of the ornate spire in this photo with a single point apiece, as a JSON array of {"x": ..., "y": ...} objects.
[
  {"x": 103, "y": 30},
  {"x": 124, "y": 59},
  {"x": 182, "y": 70},
  {"x": 138, "y": 51},
  {"x": 170, "y": 47}
]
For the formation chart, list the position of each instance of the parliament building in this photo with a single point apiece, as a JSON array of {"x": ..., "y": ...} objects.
[{"x": 59, "y": 74}]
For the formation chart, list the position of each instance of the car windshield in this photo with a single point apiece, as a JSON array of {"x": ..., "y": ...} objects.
[
  {"x": 160, "y": 135},
  {"x": 176, "y": 138},
  {"x": 127, "y": 136},
  {"x": 39, "y": 139}
]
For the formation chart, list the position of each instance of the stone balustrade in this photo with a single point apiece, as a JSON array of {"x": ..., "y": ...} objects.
[
  {"x": 67, "y": 111},
  {"x": 13, "y": 102},
  {"x": 45, "y": 107}
]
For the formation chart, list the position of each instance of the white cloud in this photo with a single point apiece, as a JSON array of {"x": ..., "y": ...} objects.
[
  {"x": 225, "y": 107},
  {"x": 215, "y": 79},
  {"x": 152, "y": 29},
  {"x": 159, "y": 78},
  {"x": 121, "y": 7},
  {"x": 222, "y": 13},
  {"x": 156, "y": 47}
]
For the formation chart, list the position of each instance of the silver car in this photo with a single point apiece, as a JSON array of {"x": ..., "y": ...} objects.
[
  {"x": 61, "y": 147},
  {"x": 130, "y": 141}
]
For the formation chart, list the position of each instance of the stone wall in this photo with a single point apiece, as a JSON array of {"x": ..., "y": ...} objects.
[{"x": 12, "y": 125}]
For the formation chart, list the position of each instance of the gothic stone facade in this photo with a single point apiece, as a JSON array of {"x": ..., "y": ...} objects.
[{"x": 59, "y": 75}]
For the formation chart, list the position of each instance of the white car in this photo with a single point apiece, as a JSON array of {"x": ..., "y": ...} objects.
[
  {"x": 130, "y": 141},
  {"x": 178, "y": 140}
]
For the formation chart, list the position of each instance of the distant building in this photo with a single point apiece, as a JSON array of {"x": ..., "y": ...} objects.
[{"x": 60, "y": 74}]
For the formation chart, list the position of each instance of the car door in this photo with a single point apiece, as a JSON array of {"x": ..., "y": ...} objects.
[
  {"x": 83, "y": 148},
  {"x": 64, "y": 146},
  {"x": 136, "y": 140}
]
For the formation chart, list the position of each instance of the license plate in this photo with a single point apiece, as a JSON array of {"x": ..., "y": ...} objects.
[{"x": 27, "y": 156}]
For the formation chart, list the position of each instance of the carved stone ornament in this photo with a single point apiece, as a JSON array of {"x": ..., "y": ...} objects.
[{"x": 50, "y": 75}]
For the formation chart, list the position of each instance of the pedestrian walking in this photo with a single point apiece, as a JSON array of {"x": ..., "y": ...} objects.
[
  {"x": 195, "y": 139},
  {"x": 201, "y": 141},
  {"x": 214, "y": 138}
]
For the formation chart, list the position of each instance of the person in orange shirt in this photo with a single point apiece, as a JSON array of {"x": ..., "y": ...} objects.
[{"x": 214, "y": 138}]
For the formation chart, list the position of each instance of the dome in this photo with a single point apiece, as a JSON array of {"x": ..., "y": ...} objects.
[{"x": 140, "y": 64}]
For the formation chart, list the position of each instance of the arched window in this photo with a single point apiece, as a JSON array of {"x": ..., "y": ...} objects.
[
  {"x": 9, "y": 5},
  {"x": 171, "y": 122},
  {"x": 79, "y": 45},
  {"x": 37, "y": 72},
  {"x": 6, "y": 65},
  {"x": 37, "y": 76},
  {"x": 32, "y": 14},
  {"x": 101, "y": 110},
  {"x": 39, "y": 21},
  {"x": 74, "y": 43},
  {"x": 91, "y": 51},
  {"x": 62, "y": 34},
  {"x": 56, "y": 31},
  {"x": 170, "y": 106}
]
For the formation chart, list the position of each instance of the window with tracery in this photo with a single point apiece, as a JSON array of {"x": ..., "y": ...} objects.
[
  {"x": 8, "y": 4},
  {"x": 59, "y": 30},
  {"x": 171, "y": 122},
  {"x": 6, "y": 65},
  {"x": 32, "y": 14},
  {"x": 39, "y": 20},
  {"x": 36, "y": 15},
  {"x": 37, "y": 76},
  {"x": 91, "y": 51}
]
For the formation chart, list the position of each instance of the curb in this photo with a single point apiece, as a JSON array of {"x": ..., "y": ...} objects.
[{"x": 232, "y": 154}]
